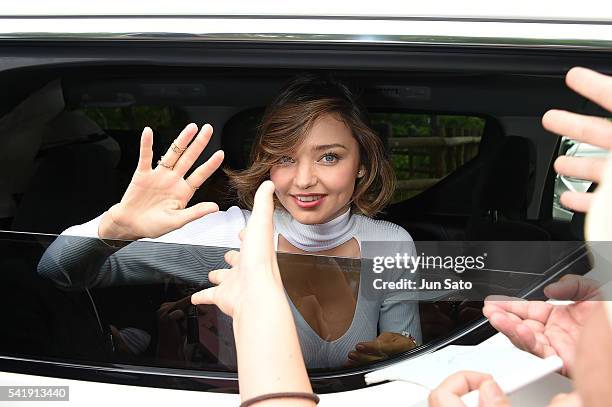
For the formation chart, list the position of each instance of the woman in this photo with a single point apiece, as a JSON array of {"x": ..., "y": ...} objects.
[{"x": 330, "y": 175}]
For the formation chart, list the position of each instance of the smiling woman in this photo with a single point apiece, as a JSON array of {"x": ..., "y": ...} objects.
[
  {"x": 317, "y": 130},
  {"x": 331, "y": 174}
]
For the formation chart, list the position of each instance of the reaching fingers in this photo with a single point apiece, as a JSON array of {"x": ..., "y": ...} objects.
[
  {"x": 526, "y": 339},
  {"x": 464, "y": 382},
  {"x": 586, "y": 168},
  {"x": 461, "y": 383},
  {"x": 178, "y": 146},
  {"x": 260, "y": 223},
  {"x": 504, "y": 324},
  {"x": 592, "y": 85},
  {"x": 491, "y": 395},
  {"x": 577, "y": 201},
  {"x": 587, "y": 129},
  {"x": 232, "y": 258},
  {"x": 572, "y": 287},
  {"x": 146, "y": 150},
  {"x": 443, "y": 398},
  {"x": 566, "y": 400},
  {"x": 204, "y": 171},
  {"x": 191, "y": 154},
  {"x": 203, "y": 297},
  {"x": 194, "y": 212},
  {"x": 218, "y": 276}
]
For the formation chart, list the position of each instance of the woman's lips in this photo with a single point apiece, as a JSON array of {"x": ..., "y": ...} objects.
[{"x": 308, "y": 204}]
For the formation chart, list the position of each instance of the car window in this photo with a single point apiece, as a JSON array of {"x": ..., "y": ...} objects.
[
  {"x": 563, "y": 183},
  {"x": 425, "y": 148},
  {"x": 76, "y": 299}
]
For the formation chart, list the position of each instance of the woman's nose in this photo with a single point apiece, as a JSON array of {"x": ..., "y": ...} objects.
[{"x": 305, "y": 176}]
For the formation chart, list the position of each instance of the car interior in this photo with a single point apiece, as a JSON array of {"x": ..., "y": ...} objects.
[{"x": 472, "y": 159}]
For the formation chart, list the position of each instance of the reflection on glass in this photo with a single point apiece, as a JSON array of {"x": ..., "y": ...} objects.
[{"x": 86, "y": 312}]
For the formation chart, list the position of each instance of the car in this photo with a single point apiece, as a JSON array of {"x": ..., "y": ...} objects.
[{"x": 456, "y": 101}]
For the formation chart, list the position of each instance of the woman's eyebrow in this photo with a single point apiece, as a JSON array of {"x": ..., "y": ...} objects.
[{"x": 328, "y": 146}]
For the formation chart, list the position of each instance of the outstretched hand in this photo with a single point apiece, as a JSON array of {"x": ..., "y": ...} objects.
[
  {"x": 155, "y": 202},
  {"x": 254, "y": 274},
  {"x": 450, "y": 391},
  {"x": 542, "y": 328},
  {"x": 596, "y": 131},
  {"x": 252, "y": 293}
]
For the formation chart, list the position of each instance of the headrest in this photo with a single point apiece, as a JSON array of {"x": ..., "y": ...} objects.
[
  {"x": 238, "y": 135},
  {"x": 504, "y": 183},
  {"x": 69, "y": 127}
]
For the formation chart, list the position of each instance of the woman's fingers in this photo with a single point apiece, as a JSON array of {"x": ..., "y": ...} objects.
[
  {"x": 587, "y": 129},
  {"x": 586, "y": 168},
  {"x": 577, "y": 201},
  {"x": 370, "y": 348},
  {"x": 146, "y": 150},
  {"x": 592, "y": 85},
  {"x": 362, "y": 358},
  {"x": 191, "y": 154},
  {"x": 179, "y": 146},
  {"x": 184, "y": 216},
  {"x": 204, "y": 171}
]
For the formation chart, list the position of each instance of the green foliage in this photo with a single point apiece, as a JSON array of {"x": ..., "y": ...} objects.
[
  {"x": 421, "y": 125},
  {"x": 419, "y": 164},
  {"x": 135, "y": 117}
]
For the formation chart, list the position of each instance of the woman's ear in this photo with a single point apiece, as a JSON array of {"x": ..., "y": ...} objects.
[{"x": 361, "y": 172}]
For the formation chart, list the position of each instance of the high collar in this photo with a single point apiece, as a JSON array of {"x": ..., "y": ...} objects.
[{"x": 318, "y": 237}]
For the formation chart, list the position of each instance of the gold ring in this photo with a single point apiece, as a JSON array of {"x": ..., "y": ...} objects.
[
  {"x": 160, "y": 162},
  {"x": 174, "y": 147}
]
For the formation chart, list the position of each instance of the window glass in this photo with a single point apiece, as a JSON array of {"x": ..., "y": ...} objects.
[
  {"x": 76, "y": 298},
  {"x": 85, "y": 300},
  {"x": 425, "y": 148},
  {"x": 132, "y": 117}
]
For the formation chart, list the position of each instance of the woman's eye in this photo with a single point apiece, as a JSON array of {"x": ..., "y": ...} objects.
[{"x": 329, "y": 158}]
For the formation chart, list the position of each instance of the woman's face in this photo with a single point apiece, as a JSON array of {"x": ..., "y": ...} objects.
[{"x": 316, "y": 183}]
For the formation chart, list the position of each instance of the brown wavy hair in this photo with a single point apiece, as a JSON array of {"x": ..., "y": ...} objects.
[{"x": 289, "y": 118}]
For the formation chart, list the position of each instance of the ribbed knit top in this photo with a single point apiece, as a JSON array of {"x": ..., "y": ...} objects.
[{"x": 77, "y": 259}]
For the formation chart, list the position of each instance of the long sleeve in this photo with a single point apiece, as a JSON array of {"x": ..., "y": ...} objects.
[
  {"x": 78, "y": 259},
  {"x": 399, "y": 310}
]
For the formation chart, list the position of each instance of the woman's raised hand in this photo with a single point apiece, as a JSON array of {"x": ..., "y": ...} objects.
[{"x": 155, "y": 202}]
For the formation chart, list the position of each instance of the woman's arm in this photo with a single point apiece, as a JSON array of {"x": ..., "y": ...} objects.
[
  {"x": 76, "y": 261},
  {"x": 153, "y": 205}
]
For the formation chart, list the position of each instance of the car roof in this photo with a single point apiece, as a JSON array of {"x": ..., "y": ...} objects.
[{"x": 586, "y": 10}]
